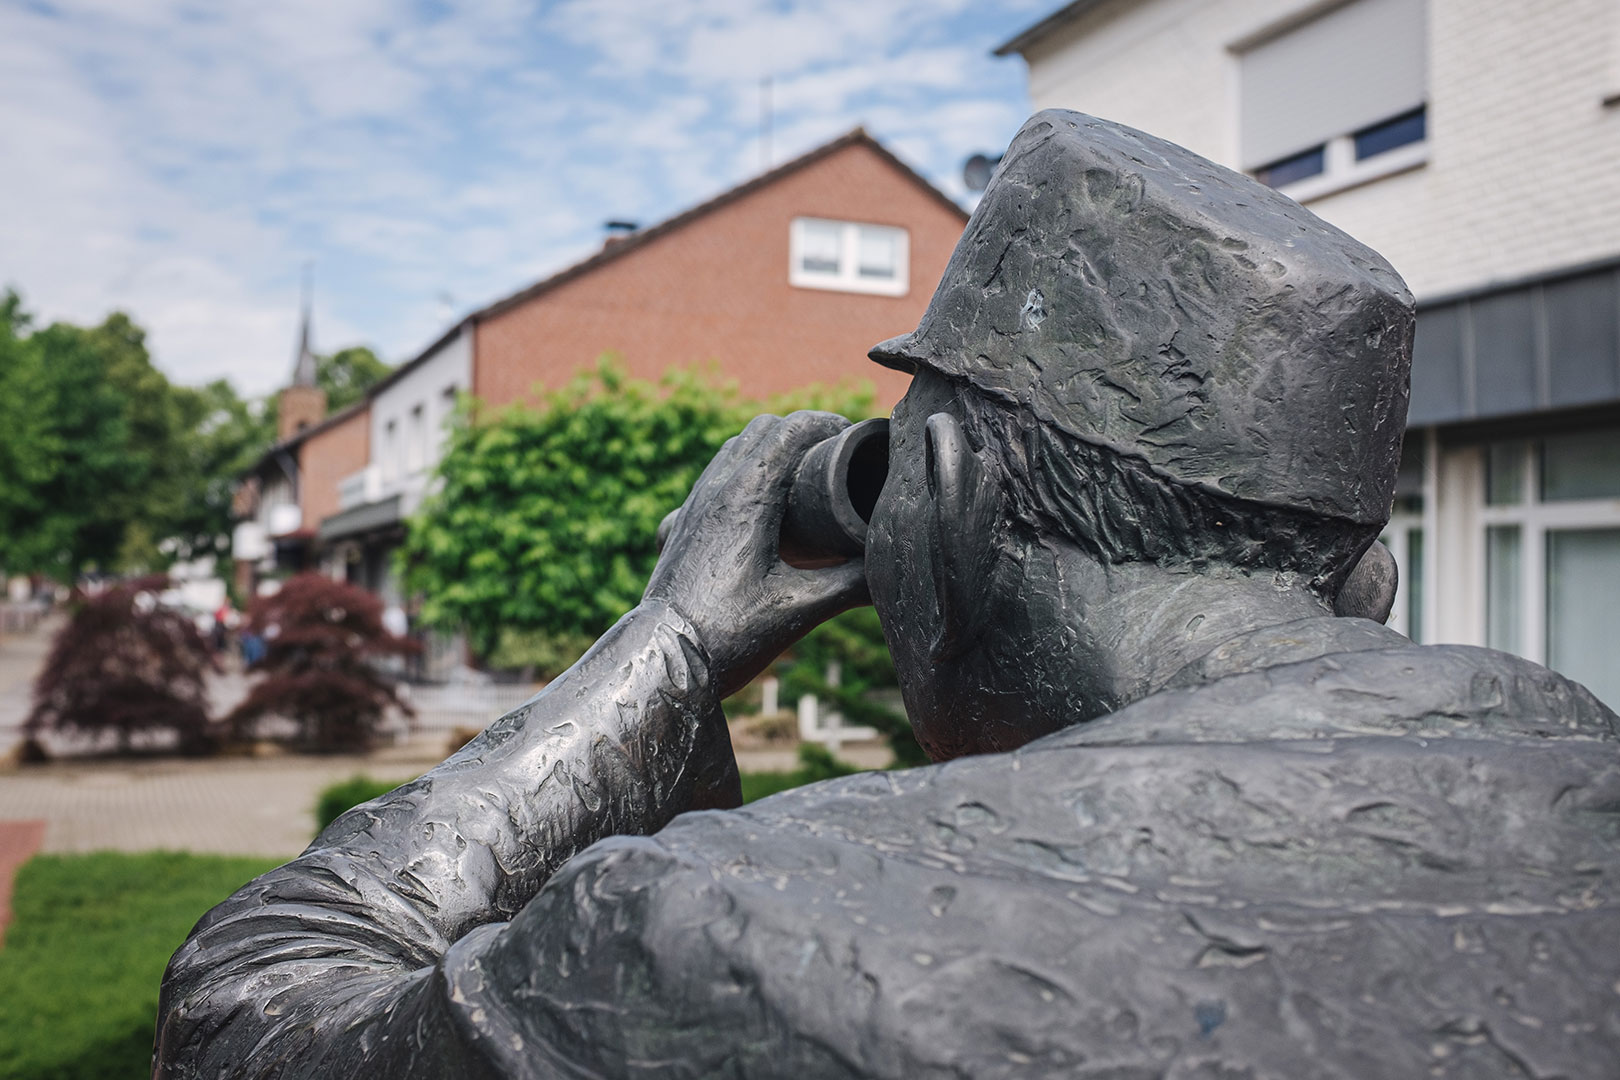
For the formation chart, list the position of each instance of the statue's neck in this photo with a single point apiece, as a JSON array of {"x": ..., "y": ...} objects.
[{"x": 1152, "y": 623}]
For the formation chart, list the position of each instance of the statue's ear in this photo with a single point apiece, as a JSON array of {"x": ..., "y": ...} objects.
[
  {"x": 1369, "y": 591},
  {"x": 963, "y": 505}
]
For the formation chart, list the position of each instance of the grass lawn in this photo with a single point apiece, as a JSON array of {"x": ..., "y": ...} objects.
[
  {"x": 89, "y": 938},
  {"x": 90, "y": 935}
]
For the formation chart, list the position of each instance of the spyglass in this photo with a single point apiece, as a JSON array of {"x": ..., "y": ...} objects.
[{"x": 830, "y": 504}]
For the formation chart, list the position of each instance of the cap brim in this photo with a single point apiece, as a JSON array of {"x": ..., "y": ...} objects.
[{"x": 896, "y": 353}]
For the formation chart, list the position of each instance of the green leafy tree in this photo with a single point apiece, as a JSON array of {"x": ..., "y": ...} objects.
[
  {"x": 74, "y": 474},
  {"x": 29, "y": 451},
  {"x": 224, "y": 435},
  {"x": 106, "y": 464},
  {"x": 347, "y": 374}
]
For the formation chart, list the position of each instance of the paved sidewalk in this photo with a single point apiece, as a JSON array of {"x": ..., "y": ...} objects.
[
  {"x": 228, "y": 806},
  {"x": 21, "y": 657}
]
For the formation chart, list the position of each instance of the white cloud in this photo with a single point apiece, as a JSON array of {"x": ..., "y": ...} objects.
[{"x": 181, "y": 159}]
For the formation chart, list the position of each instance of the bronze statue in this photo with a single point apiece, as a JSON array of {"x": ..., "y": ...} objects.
[{"x": 1188, "y": 821}]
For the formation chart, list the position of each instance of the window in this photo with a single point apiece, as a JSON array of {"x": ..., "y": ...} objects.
[
  {"x": 1337, "y": 100},
  {"x": 447, "y": 413},
  {"x": 1552, "y": 553},
  {"x": 390, "y": 455},
  {"x": 1311, "y": 163},
  {"x": 416, "y": 444},
  {"x": 1392, "y": 134},
  {"x": 849, "y": 257}
]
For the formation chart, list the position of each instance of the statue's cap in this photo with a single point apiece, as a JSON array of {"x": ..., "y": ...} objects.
[{"x": 1138, "y": 297}]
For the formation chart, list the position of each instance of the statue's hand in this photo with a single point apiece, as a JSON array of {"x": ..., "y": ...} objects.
[{"x": 721, "y": 568}]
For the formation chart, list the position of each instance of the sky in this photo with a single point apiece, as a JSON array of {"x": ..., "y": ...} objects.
[{"x": 182, "y": 160}]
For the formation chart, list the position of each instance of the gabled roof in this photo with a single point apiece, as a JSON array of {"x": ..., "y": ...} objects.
[
  {"x": 636, "y": 240},
  {"x": 620, "y": 248},
  {"x": 1059, "y": 18}
]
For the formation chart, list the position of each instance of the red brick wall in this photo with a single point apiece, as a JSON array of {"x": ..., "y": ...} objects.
[
  {"x": 297, "y": 408},
  {"x": 327, "y": 457},
  {"x": 717, "y": 289}
]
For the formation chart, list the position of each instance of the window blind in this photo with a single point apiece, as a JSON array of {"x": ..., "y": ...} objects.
[{"x": 1340, "y": 72}]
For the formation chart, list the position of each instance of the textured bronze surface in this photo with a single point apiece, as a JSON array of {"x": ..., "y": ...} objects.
[{"x": 1188, "y": 822}]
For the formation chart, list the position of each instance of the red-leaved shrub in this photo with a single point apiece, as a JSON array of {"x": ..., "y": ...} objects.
[
  {"x": 126, "y": 665},
  {"x": 322, "y": 639}
]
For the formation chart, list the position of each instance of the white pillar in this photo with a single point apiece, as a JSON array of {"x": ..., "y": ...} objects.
[
  {"x": 770, "y": 704},
  {"x": 808, "y": 729}
]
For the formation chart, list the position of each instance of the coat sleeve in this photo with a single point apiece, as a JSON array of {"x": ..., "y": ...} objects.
[{"x": 341, "y": 962}]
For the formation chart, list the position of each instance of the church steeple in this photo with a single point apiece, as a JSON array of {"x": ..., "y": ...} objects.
[
  {"x": 304, "y": 366},
  {"x": 303, "y": 403}
]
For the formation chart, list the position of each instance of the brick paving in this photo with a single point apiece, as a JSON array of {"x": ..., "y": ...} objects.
[{"x": 19, "y": 840}]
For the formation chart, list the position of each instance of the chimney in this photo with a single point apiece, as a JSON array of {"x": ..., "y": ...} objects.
[
  {"x": 617, "y": 232},
  {"x": 303, "y": 404}
]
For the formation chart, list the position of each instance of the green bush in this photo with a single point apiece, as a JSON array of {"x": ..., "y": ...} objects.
[
  {"x": 346, "y": 795},
  {"x": 543, "y": 529},
  {"x": 85, "y": 953}
]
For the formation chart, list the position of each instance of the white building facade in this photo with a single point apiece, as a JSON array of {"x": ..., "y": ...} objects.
[
  {"x": 410, "y": 413},
  {"x": 1476, "y": 145}
]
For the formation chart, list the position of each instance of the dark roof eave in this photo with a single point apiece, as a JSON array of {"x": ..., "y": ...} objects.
[{"x": 1031, "y": 34}]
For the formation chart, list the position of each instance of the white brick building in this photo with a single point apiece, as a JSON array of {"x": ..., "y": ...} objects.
[{"x": 1476, "y": 144}]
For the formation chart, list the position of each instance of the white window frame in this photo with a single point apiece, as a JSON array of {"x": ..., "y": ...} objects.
[
  {"x": 847, "y": 278},
  {"x": 1340, "y": 168},
  {"x": 1397, "y": 536},
  {"x": 1535, "y": 520},
  {"x": 1341, "y": 171}
]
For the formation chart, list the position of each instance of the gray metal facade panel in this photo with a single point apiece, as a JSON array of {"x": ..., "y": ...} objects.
[
  {"x": 1437, "y": 368},
  {"x": 1583, "y": 337},
  {"x": 1504, "y": 340},
  {"x": 360, "y": 519},
  {"x": 1553, "y": 343}
]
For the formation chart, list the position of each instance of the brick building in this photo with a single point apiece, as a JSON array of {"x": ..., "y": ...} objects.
[
  {"x": 727, "y": 282},
  {"x": 1476, "y": 144},
  {"x": 783, "y": 281}
]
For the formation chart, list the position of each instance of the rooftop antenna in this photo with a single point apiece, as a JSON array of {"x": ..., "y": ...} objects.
[{"x": 765, "y": 124}]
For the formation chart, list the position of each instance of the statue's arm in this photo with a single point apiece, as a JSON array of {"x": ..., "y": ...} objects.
[
  {"x": 336, "y": 960},
  {"x": 359, "y": 957}
]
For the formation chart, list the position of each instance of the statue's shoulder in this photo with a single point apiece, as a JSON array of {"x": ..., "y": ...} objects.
[{"x": 1336, "y": 678}]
